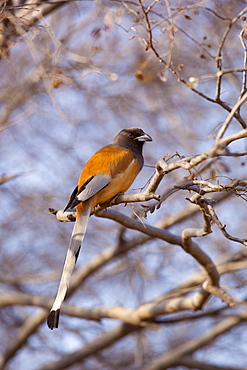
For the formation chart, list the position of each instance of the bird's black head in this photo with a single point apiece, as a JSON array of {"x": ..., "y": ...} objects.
[{"x": 132, "y": 138}]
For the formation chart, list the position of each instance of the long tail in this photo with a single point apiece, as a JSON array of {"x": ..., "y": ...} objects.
[{"x": 69, "y": 264}]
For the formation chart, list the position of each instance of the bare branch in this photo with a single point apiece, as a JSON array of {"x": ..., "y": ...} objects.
[
  {"x": 103, "y": 341},
  {"x": 223, "y": 227},
  {"x": 192, "y": 363},
  {"x": 28, "y": 328},
  {"x": 217, "y": 99},
  {"x": 235, "y": 109},
  {"x": 219, "y": 58},
  {"x": 172, "y": 358},
  {"x": 6, "y": 178},
  {"x": 190, "y": 162},
  {"x": 243, "y": 43}
]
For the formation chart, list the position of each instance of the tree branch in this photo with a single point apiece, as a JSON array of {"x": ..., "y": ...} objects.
[
  {"x": 173, "y": 357},
  {"x": 27, "y": 329}
]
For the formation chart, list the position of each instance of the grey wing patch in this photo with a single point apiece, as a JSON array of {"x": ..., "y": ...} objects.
[
  {"x": 92, "y": 186},
  {"x": 97, "y": 183}
]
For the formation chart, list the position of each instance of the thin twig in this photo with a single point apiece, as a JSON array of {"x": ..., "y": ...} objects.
[
  {"x": 219, "y": 58},
  {"x": 243, "y": 42},
  {"x": 217, "y": 100}
]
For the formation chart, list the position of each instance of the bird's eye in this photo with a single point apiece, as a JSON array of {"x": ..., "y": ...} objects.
[{"x": 131, "y": 135}]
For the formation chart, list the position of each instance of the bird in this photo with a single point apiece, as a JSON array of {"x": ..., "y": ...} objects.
[{"x": 110, "y": 171}]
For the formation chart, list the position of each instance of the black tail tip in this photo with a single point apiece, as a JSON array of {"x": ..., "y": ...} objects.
[{"x": 53, "y": 319}]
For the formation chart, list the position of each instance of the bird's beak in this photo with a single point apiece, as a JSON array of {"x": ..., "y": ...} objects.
[{"x": 144, "y": 137}]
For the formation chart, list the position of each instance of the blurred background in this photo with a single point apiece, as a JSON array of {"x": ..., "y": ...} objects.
[{"x": 73, "y": 74}]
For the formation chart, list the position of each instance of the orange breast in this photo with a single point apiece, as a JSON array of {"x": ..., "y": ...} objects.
[{"x": 119, "y": 163}]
